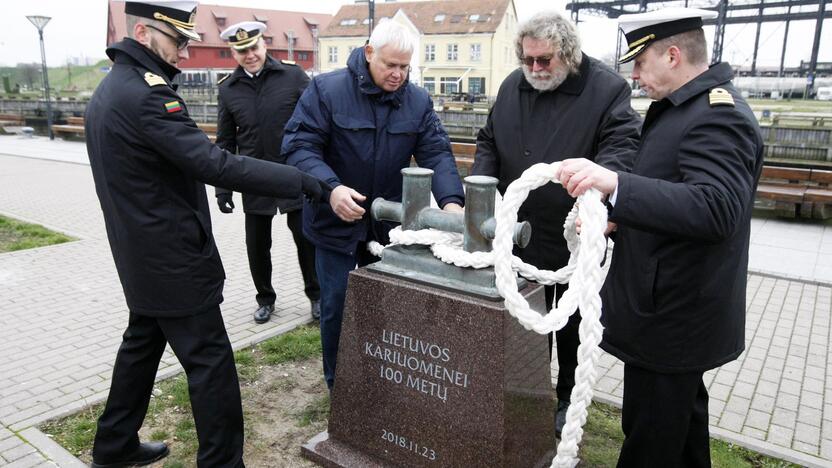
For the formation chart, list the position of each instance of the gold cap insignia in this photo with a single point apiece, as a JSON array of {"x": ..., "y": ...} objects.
[
  {"x": 242, "y": 34},
  {"x": 153, "y": 80},
  {"x": 720, "y": 97}
]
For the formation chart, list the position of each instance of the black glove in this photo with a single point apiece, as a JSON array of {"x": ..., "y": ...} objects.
[
  {"x": 225, "y": 202},
  {"x": 314, "y": 189}
]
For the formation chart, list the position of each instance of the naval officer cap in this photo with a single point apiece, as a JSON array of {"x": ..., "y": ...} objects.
[
  {"x": 179, "y": 14},
  {"x": 243, "y": 35},
  {"x": 644, "y": 28}
]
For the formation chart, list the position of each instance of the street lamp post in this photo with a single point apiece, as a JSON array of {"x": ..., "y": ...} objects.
[{"x": 40, "y": 23}]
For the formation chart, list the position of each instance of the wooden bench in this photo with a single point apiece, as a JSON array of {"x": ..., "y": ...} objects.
[
  {"x": 73, "y": 128},
  {"x": 795, "y": 192},
  {"x": 11, "y": 120},
  {"x": 210, "y": 129},
  {"x": 807, "y": 119},
  {"x": 464, "y": 156}
]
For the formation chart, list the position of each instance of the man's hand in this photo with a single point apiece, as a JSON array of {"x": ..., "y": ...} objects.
[
  {"x": 225, "y": 202},
  {"x": 579, "y": 175},
  {"x": 453, "y": 208},
  {"x": 341, "y": 201},
  {"x": 611, "y": 227}
]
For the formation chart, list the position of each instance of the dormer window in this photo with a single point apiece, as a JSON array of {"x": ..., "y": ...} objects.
[
  {"x": 439, "y": 18},
  {"x": 474, "y": 18},
  {"x": 219, "y": 17},
  {"x": 349, "y": 22}
]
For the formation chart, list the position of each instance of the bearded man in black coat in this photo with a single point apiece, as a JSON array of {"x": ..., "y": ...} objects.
[
  {"x": 674, "y": 298},
  {"x": 560, "y": 103}
]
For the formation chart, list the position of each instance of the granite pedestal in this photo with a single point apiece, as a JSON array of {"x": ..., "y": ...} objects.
[{"x": 429, "y": 377}]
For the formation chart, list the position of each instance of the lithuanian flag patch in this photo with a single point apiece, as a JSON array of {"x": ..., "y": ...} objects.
[{"x": 173, "y": 106}]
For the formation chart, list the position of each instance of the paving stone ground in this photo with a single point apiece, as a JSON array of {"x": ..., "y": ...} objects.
[{"x": 62, "y": 314}]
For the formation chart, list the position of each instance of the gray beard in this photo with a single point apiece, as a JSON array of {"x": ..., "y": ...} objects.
[{"x": 544, "y": 81}]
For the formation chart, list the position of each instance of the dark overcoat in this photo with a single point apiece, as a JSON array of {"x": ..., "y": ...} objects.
[
  {"x": 150, "y": 162},
  {"x": 346, "y": 130},
  {"x": 251, "y": 114},
  {"x": 588, "y": 115},
  {"x": 674, "y": 298}
]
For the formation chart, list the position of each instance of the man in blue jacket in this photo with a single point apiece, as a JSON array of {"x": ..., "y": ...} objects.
[{"x": 356, "y": 128}]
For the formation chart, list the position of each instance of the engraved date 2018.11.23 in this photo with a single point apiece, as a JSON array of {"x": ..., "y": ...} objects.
[{"x": 407, "y": 444}]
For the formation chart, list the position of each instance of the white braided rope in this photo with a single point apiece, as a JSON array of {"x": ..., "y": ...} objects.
[
  {"x": 584, "y": 286},
  {"x": 583, "y": 272}
]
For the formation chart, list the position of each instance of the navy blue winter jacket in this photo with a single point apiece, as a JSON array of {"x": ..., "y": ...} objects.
[{"x": 346, "y": 130}]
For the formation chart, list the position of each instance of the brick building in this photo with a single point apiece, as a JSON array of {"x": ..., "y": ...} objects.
[{"x": 211, "y": 59}]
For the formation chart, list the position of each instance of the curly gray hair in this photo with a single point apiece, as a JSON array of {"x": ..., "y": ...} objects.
[{"x": 559, "y": 31}]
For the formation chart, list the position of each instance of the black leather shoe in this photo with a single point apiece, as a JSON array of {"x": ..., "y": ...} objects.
[
  {"x": 145, "y": 454},
  {"x": 560, "y": 416},
  {"x": 316, "y": 310},
  {"x": 263, "y": 313}
]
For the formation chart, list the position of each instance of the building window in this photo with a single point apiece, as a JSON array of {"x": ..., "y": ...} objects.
[
  {"x": 350, "y": 49},
  {"x": 333, "y": 54},
  {"x": 453, "y": 52},
  {"x": 429, "y": 83},
  {"x": 303, "y": 55},
  {"x": 473, "y": 18},
  {"x": 220, "y": 21},
  {"x": 221, "y": 75},
  {"x": 225, "y": 53},
  {"x": 476, "y": 85},
  {"x": 439, "y": 18},
  {"x": 349, "y": 22},
  {"x": 430, "y": 52},
  {"x": 476, "y": 52},
  {"x": 268, "y": 40},
  {"x": 448, "y": 85}
]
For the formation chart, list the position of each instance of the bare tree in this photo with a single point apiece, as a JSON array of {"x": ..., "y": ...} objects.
[{"x": 29, "y": 74}]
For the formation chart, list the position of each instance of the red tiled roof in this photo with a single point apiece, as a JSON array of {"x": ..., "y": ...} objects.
[
  {"x": 349, "y": 21},
  {"x": 278, "y": 22}
]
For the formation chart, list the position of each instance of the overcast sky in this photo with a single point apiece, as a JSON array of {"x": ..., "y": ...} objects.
[{"x": 78, "y": 29}]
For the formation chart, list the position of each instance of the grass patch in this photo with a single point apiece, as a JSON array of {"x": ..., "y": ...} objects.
[
  {"x": 247, "y": 365},
  {"x": 169, "y": 413},
  {"x": 603, "y": 438},
  {"x": 17, "y": 235},
  {"x": 277, "y": 427},
  {"x": 301, "y": 343},
  {"x": 317, "y": 411}
]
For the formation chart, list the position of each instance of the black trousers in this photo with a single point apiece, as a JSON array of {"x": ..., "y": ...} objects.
[
  {"x": 665, "y": 420},
  {"x": 567, "y": 343},
  {"x": 201, "y": 344},
  {"x": 259, "y": 248}
]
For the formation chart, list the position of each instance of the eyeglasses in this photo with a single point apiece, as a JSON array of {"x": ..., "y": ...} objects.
[
  {"x": 542, "y": 61},
  {"x": 181, "y": 41}
]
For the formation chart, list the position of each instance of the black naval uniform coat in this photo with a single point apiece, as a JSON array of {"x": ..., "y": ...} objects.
[
  {"x": 674, "y": 298},
  {"x": 150, "y": 163},
  {"x": 588, "y": 115},
  {"x": 250, "y": 119}
]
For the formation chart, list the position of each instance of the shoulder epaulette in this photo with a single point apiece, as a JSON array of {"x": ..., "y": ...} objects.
[
  {"x": 288, "y": 62},
  {"x": 223, "y": 79},
  {"x": 720, "y": 97},
  {"x": 154, "y": 80}
]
